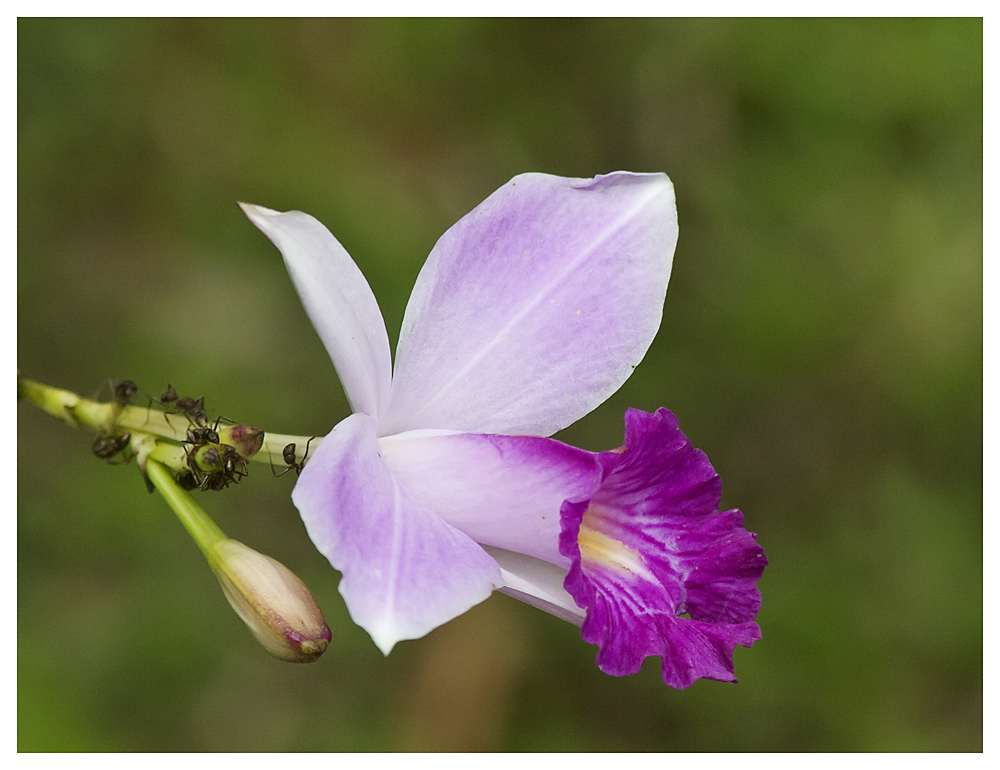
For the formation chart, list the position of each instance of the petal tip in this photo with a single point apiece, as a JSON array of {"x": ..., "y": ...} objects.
[
  {"x": 259, "y": 215},
  {"x": 615, "y": 178},
  {"x": 384, "y": 637},
  {"x": 252, "y": 209}
]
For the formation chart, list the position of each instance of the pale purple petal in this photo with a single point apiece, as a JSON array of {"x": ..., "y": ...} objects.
[
  {"x": 504, "y": 491},
  {"x": 339, "y": 303},
  {"x": 537, "y": 583},
  {"x": 405, "y": 571},
  {"x": 651, "y": 546},
  {"x": 536, "y": 306}
]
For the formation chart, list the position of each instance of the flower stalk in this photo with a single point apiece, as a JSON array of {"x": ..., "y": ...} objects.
[
  {"x": 275, "y": 605},
  {"x": 252, "y": 443},
  {"x": 70, "y": 408},
  {"x": 205, "y": 533}
]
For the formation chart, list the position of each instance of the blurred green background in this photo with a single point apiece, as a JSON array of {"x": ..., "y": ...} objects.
[{"x": 821, "y": 341}]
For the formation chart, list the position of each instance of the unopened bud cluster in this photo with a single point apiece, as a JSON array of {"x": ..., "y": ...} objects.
[{"x": 218, "y": 458}]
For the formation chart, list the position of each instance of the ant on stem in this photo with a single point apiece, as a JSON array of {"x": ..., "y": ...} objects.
[
  {"x": 107, "y": 446},
  {"x": 288, "y": 455},
  {"x": 123, "y": 391},
  {"x": 192, "y": 408}
]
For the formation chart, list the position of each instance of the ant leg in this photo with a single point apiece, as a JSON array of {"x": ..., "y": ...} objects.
[{"x": 299, "y": 467}]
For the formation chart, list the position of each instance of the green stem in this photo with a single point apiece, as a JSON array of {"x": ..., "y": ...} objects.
[
  {"x": 198, "y": 523},
  {"x": 153, "y": 421},
  {"x": 170, "y": 455},
  {"x": 84, "y": 413},
  {"x": 68, "y": 407}
]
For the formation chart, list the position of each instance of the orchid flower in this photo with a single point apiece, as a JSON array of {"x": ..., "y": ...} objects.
[{"x": 442, "y": 487}]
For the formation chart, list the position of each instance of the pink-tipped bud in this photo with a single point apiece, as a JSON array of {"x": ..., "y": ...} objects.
[
  {"x": 247, "y": 439},
  {"x": 272, "y": 601}
]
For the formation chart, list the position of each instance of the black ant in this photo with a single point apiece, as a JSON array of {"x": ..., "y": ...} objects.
[
  {"x": 215, "y": 482},
  {"x": 199, "y": 435},
  {"x": 169, "y": 396},
  {"x": 203, "y": 435},
  {"x": 107, "y": 446},
  {"x": 288, "y": 455},
  {"x": 193, "y": 409},
  {"x": 230, "y": 460},
  {"x": 123, "y": 391}
]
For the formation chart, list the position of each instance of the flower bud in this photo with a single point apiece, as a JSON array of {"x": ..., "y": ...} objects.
[
  {"x": 272, "y": 601},
  {"x": 248, "y": 439},
  {"x": 207, "y": 458}
]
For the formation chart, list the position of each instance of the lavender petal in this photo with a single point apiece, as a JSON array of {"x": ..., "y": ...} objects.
[
  {"x": 405, "y": 571},
  {"x": 504, "y": 491},
  {"x": 536, "y": 306}
]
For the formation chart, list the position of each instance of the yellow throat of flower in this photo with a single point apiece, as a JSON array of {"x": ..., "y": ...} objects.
[{"x": 597, "y": 548}]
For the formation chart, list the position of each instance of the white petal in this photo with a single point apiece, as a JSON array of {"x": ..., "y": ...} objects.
[
  {"x": 537, "y": 583},
  {"x": 339, "y": 302}
]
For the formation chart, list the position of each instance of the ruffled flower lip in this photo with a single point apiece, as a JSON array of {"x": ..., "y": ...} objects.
[{"x": 657, "y": 567}]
